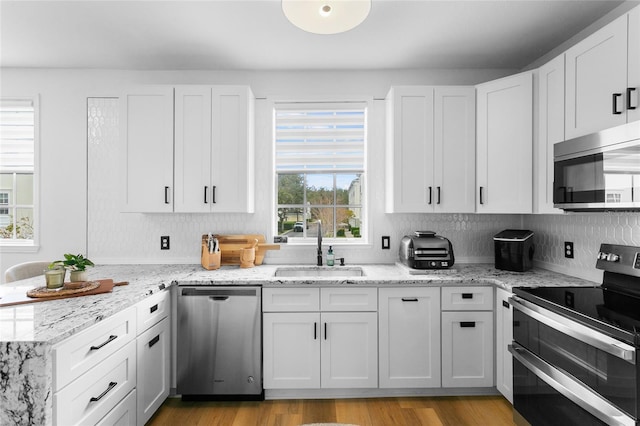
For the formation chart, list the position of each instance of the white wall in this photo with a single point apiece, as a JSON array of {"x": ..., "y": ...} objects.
[{"x": 63, "y": 140}]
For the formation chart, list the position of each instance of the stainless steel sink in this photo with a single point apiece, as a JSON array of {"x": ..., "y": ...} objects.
[{"x": 320, "y": 271}]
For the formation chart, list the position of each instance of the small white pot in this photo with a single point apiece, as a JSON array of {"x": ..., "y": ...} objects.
[{"x": 78, "y": 276}]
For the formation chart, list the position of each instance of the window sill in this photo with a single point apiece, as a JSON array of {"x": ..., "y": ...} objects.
[
  {"x": 18, "y": 248},
  {"x": 326, "y": 242}
]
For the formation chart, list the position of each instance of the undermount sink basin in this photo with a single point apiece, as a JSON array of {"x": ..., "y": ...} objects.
[{"x": 320, "y": 271}]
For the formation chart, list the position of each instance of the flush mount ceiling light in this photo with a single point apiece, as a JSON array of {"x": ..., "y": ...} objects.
[{"x": 326, "y": 16}]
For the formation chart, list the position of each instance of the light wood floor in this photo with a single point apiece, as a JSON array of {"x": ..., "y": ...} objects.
[{"x": 418, "y": 411}]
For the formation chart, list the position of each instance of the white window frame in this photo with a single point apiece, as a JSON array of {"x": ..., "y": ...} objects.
[
  {"x": 29, "y": 246},
  {"x": 365, "y": 231}
]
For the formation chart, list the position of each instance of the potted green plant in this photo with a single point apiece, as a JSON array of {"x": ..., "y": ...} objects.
[{"x": 77, "y": 264}]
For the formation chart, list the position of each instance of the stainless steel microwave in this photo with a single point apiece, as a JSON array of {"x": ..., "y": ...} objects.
[{"x": 600, "y": 171}]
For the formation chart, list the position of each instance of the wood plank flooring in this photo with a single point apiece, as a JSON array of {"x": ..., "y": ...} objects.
[{"x": 413, "y": 411}]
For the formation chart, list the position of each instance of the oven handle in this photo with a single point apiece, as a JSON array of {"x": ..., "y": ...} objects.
[
  {"x": 576, "y": 330},
  {"x": 572, "y": 389}
]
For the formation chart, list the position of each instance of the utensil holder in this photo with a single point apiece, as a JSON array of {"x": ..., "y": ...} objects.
[
  {"x": 210, "y": 261},
  {"x": 247, "y": 257}
]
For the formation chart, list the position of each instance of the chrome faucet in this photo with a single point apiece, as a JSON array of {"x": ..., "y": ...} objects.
[{"x": 319, "y": 263}]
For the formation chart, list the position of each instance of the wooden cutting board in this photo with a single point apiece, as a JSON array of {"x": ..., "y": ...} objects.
[{"x": 105, "y": 286}]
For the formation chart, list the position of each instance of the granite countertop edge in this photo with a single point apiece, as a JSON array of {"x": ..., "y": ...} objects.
[{"x": 54, "y": 321}]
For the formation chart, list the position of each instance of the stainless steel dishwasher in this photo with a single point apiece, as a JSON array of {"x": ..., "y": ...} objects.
[{"x": 219, "y": 342}]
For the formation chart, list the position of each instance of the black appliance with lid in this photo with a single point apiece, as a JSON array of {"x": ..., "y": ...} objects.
[
  {"x": 426, "y": 250},
  {"x": 575, "y": 349},
  {"x": 514, "y": 250}
]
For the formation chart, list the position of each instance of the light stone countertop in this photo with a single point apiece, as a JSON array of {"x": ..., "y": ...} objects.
[
  {"x": 29, "y": 332},
  {"x": 52, "y": 321}
]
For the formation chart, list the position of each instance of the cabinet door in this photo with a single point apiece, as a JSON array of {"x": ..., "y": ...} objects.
[
  {"x": 146, "y": 150},
  {"x": 232, "y": 172},
  {"x": 596, "y": 72},
  {"x": 550, "y": 131},
  {"x": 291, "y": 350},
  {"x": 633, "y": 57},
  {"x": 123, "y": 414},
  {"x": 193, "y": 149},
  {"x": 409, "y": 329},
  {"x": 410, "y": 187},
  {"x": 467, "y": 349},
  {"x": 153, "y": 355},
  {"x": 455, "y": 150},
  {"x": 349, "y": 357},
  {"x": 504, "y": 145},
  {"x": 504, "y": 336}
]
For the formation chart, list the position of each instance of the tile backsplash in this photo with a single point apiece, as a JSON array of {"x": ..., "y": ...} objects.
[
  {"x": 587, "y": 231},
  {"x": 115, "y": 237}
]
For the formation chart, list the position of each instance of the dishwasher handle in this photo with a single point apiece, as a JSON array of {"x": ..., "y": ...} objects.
[{"x": 219, "y": 293}]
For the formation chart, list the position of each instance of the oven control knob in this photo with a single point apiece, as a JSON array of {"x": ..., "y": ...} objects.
[{"x": 611, "y": 257}]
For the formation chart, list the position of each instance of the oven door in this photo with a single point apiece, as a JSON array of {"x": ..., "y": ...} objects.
[{"x": 567, "y": 373}]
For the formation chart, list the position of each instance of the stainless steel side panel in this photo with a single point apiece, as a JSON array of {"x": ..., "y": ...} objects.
[
  {"x": 219, "y": 341},
  {"x": 572, "y": 389}
]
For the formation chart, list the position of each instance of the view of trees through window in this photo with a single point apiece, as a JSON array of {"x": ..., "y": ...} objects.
[{"x": 333, "y": 198}]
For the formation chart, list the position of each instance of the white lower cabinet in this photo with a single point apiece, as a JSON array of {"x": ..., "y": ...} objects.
[
  {"x": 467, "y": 337},
  {"x": 312, "y": 350},
  {"x": 123, "y": 414},
  {"x": 90, "y": 397},
  {"x": 409, "y": 333},
  {"x": 504, "y": 337},
  {"x": 153, "y": 358}
]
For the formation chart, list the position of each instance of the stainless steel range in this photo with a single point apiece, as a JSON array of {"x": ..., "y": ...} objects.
[{"x": 575, "y": 348}]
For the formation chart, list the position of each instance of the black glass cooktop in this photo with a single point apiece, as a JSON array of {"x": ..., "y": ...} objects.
[{"x": 611, "y": 311}]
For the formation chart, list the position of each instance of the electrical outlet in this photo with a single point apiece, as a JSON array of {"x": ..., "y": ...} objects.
[
  {"x": 164, "y": 242},
  {"x": 386, "y": 243},
  {"x": 568, "y": 249}
]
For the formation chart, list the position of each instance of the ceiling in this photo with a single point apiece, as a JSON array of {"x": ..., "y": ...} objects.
[{"x": 255, "y": 35}]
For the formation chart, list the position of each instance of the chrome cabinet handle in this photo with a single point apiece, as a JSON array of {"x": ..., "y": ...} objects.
[
  {"x": 576, "y": 330},
  {"x": 109, "y": 340},
  {"x": 99, "y": 397},
  {"x": 572, "y": 389}
]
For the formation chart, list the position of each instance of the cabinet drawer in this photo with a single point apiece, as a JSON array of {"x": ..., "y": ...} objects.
[
  {"x": 151, "y": 310},
  {"x": 123, "y": 414},
  {"x": 94, "y": 394},
  {"x": 342, "y": 299},
  {"x": 295, "y": 299},
  {"x": 467, "y": 298},
  {"x": 152, "y": 384},
  {"x": 83, "y": 351}
]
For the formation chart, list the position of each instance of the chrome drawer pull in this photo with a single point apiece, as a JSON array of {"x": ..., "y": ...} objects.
[
  {"x": 109, "y": 340},
  {"x": 99, "y": 397}
]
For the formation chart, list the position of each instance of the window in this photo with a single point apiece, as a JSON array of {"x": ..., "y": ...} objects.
[
  {"x": 320, "y": 170},
  {"x": 17, "y": 171}
]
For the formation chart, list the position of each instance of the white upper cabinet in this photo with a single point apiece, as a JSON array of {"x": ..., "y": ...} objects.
[
  {"x": 214, "y": 149},
  {"x": 504, "y": 145},
  {"x": 146, "y": 150},
  {"x": 550, "y": 131},
  {"x": 603, "y": 78},
  {"x": 430, "y": 149}
]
